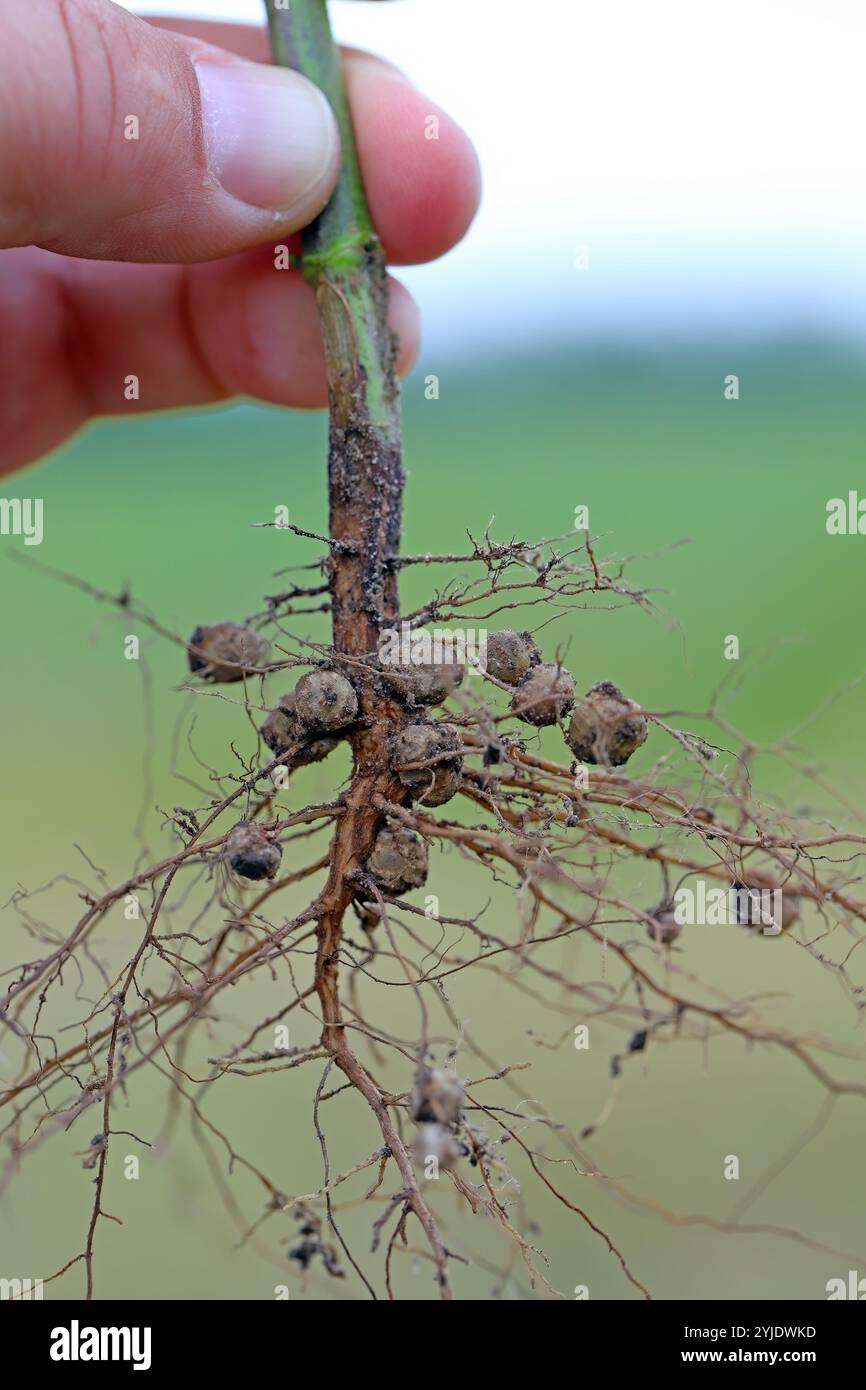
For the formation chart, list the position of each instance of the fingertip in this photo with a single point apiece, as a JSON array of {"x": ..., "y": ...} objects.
[
  {"x": 258, "y": 328},
  {"x": 425, "y": 193},
  {"x": 404, "y": 317}
]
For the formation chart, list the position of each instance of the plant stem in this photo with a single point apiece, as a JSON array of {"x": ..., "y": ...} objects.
[{"x": 343, "y": 260}]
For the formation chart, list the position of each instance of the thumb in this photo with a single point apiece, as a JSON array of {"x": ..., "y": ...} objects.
[{"x": 121, "y": 141}]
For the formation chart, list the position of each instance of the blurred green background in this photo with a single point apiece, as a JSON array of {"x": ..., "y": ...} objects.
[{"x": 87, "y": 743}]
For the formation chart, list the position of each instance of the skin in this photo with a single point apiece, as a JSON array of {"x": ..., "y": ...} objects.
[{"x": 96, "y": 296}]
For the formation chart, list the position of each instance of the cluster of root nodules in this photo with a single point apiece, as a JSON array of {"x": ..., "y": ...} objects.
[{"x": 496, "y": 814}]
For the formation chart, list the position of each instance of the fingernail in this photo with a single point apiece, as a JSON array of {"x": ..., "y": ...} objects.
[{"x": 271, "y": 136}]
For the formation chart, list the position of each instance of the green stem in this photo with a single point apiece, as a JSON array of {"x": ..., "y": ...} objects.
[{"x": 343, "y": 260}]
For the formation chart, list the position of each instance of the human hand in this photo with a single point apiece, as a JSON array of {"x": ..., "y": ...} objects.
[{"x": 154, "y": 255}]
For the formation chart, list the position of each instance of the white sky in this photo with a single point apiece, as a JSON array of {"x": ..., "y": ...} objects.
[{"x": 710, "y": 157}]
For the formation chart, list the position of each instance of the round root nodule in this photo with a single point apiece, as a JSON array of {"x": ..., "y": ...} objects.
[
  {"x": 664, "y": 929},
  {"x": 251, "y": 851},
  {"x": 510, "y": 655},
  {"x": 425, "y": 683},
  {"x": 419, "y": 743},
  {"x": 282, "y": 729},
  {"x": 325, "y": 701},
  {"x": 544, "y": 695},
  {"x": 437, "y": 1096},
  {"x": 398, "y": 860},
  {"x": 606, "y": 726},
  {"x": 226, "y": 651},
  {"x": 435, "y": 1142}
]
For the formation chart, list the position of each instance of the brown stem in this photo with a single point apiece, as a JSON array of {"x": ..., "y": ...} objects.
[{"x": 343, "y": 261}]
